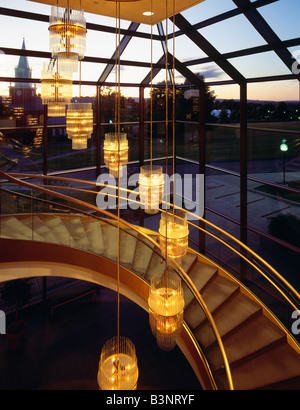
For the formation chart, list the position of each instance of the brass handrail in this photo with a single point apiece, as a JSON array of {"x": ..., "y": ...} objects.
[
  {"x": 238, "y": 242},
  {"x": 182, "y": 274}
]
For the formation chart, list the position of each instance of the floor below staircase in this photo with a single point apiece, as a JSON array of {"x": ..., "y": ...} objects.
[{"x": 62, "y": 352}]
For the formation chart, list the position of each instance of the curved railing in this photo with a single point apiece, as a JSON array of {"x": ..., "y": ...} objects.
[
  {"x": 231, "y": 244},
  {"x": 45, "y": 205},
  {"x": 264, "y": 269}
]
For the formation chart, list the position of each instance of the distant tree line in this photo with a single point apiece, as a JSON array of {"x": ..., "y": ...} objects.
[
  {"x": 257, "y": 111},
  {"x": 187, "y": 108}
]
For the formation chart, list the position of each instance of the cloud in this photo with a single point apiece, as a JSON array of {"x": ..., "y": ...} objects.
[{"x": 211, "y": 71}]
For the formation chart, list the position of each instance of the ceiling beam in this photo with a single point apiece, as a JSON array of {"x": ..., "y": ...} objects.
[
  {"x": 247, "y": 51},
  {"x": 118, "y": 52},
  {"x": 208, "y": 49},
  {"x": 153, "y": 73},
  {"x": 180, "y": 67},
  {"x": 225, "y": 16},
  {"x": 263, "y": 28}
]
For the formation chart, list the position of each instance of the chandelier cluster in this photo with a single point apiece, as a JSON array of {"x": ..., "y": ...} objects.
[
  {"x": 67, "y": 42},
  {"x": 56, "y": 89},
  {"x": 118, "y": 367},
  {"x": 67, "y": 34},
  {"x": 151, "y": 183},
  {"x": 115, "y": 152},
  {"x": 174, "y": 235},
  {"x": 166, "y": 304}
]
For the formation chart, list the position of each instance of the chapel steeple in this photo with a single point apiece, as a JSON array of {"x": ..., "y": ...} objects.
[{"x": 22, "y": 70}]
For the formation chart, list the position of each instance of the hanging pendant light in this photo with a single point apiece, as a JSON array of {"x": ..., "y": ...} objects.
[
  {"x": 115, "y": 152},
  {"x": 79, "y": 121},
  {"x": 151, "y": 178},
  {"x": 151, "y": 182},
  {"x": 56, "y": 90},
  {"x": 67, "y": 28},
  {"x": 173, "y": 230},
  {"x": 166, "y": 305},
  {"x": 118, "y": 367},
  {"x": 166, "y": 301},
  {"x": 174, "y": 235},
  {"x": 79, "y": 124}
]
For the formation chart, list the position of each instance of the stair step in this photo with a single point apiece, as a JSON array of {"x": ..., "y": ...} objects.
[
  {"x": 200, "y": 273},
  {"x": 233, "y": 314},
  {"x": 40, "y": 230},
  {"x": 12, "y": 227},
  {"x": 127, "y": 247},
  {"x": 188, "y": 260},
  {"x": 250, "y": 339},
  {"x": 77, "y": 232},
  {"x": 59, "y": 229},
  {"x": 94, "y": 235},
  {"x": 110, "y": 238},
  {"x": 214, "y": 295},
  {"x": 143, "y": 255},
  {"x": 156, "y": 266},
  {"x": 274, "y": 366}
]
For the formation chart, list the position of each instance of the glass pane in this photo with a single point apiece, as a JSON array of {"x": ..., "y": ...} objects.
[
  {"x": 223, "y": 145},
  {"x": 282, "y": 16},
  {"x": 266, "y": 160},
  {"x": 222, "y": 193},
  {"x": 260, "y": 65},
  {"x": 221, "y": 34},
  {"x": 207, "y": 9}
]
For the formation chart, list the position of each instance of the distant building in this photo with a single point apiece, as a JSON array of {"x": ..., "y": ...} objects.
[{"x": 26, "y": 104}]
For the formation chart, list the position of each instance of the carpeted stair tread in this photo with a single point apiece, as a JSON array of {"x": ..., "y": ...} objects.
[
  {"x": 200, "y": 273},
  {"x": 214, "y": 295},
  {"x": 143, "y": 255},
  {"x": 274, "y": 366},
  {"x": 55, "y": 223},
  {"x": 94, "y": 235},
  {"x": 127, "y": 247},
  {"x": 247, "y": 341},
  {"x": 77, "y": 232},
  {"x": 232, "y": 315},
  {"x": 12, "y": 227},
  {"x": 110, "y": 238},
  {"x": 39, "y": 228}
]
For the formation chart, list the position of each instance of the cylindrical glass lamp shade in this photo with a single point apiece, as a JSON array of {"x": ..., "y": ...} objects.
[
  {"x": 79, "y": 124},
  {"x": 151, "y": 181},
  {"x": 118, "y": 367},
  {"x": 56, "y": 91},
  {"x": 174, "y": 235},
  {"x": 67, "y": 63},
  {"x": 67, "y": 28},
  {"x": 115, "y": 156},
  {"x": 166, "y": 305},
  {"x": 56, "y": 109}
]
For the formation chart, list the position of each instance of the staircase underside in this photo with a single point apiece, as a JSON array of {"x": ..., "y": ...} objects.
[{"x": 260, "y": 354}]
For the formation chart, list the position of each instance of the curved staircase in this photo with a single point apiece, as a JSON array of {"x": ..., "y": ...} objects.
[{"x": 260, "y": 352}]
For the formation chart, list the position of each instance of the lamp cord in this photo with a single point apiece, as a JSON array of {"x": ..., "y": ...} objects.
[
  {"x": 151, "y": 96},
  {"x": 118, "y": 69},
  {"x": 167, "y": 132}
]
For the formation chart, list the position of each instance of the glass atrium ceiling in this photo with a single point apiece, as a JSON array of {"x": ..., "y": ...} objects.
[{"x": 226, "y": 41}]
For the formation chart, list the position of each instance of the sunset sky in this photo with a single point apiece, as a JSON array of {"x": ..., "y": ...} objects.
[{"x": 230, "y": 35}]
